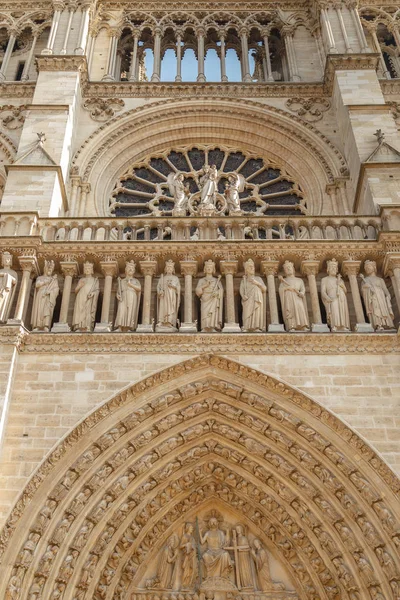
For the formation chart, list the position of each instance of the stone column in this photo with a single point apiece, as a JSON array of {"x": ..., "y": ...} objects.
[
  {"x": 358, "y": 26},
  {"x": 188, "y": 270},
  {"x": 265, "y": 35},
  {"x": 58, "y": 8},
  {"x": 132, "y": 69},
  {"x": 351, "y": 268},
  {"x": 311, "y": 269},
  {"x": 229, "y": 268},
  {"x": 67, "y": 31},
  {"x": 85, "y": 189},
  {"x": 157, "y": 55},
  {"x": 372, "y": 30},
  {"x": 112, "y": 55},
  {"x": 28, "y": 62},
  {"x": 343, "y": 29},
  {"x": 326, "y": 26},
  {"x": 7, "y": 56},
  {"x": 224, "y": 76},
  {"x": 245, "y": 55},
  {"x": 110, "y": 270},
  {"x": 291, "y": 57},
  {"x": 29, "y": 268},
  {"x": 75, "y": 183},
  {"x": 200, "y": 55},
  {"x": 69, "y": 270},
  {"x": 178, "y": 77},
  {"x": 148, "y": 268},
  {"x": 270, "y": 270},
  {"x": 83, "y": 29}
]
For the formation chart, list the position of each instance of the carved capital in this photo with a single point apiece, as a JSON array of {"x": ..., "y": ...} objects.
[
  {"x": 109, "y": 267},
  {"x": 148, "y": 267},
  {"x": 29, "y": 263},
  {"x": 228, "y": 267},
  {"x": 391, "y": 262},
  {"x": 86, "y": 187},
  {"x": 310, "y": 267},
  {"x": 351, "y": 267},
  {"x": 69, "y": 268},
  {"x": 270, "y": 267},
  {"x": 189, "y": 267}
]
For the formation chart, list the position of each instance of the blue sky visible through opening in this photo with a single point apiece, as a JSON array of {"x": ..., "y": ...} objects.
[{"x": 212, "y": 66}]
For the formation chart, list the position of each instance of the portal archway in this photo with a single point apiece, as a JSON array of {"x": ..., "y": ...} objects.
[{"x": 206, "y": 434}]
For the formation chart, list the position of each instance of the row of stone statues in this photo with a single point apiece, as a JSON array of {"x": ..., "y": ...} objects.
[
  {"x": 210, "y": 291},
  {"x": 219, "y": 558}
]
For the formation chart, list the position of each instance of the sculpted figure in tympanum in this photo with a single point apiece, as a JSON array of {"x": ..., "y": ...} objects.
[
  {"x": 210, "y": 291},
  {"x": 252, "y": 292},
  {"x": 378, "y": 304},
  {"x": 46, "y": 292},
  {"x": 168, "y": 299},
  {"x": 8, "y": 284},
  {"x": 128, "y": 296},
  {"x": 334, "y": 297},
  {"x": 292, "y": 293},
  {"x": 87, "y": 293}
]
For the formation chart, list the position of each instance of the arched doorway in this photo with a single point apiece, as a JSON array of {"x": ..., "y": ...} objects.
[{"x": 251, "y": 464}]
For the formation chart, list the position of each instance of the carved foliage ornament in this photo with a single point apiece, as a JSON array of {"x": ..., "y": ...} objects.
[
  {"x": 12, "y": 117},
  {"x": 310, "y": 109},
  {"x": 103, "y": 109}
]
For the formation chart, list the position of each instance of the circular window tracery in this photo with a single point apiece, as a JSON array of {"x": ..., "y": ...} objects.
[{"x": 145, "y": 190}]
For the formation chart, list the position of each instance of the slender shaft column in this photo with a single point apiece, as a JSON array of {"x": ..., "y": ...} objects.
[
  {"x": 75, "y": 183},
  {"x": 58, "y": 8},
  {"x": 112, "y": 55},
  {"x": 132, "y": 68},
  {"x": 267, "y": 58},
  {"x": 359, "y": 28},
  {"x": 200, "y": 55},
  {"x": 351, "y": 268},
  {"x": 148, "y": 268},
  {"x": 110, "y": 270},
  {"x": 396, "y": 35},
  {"x": 83, "y": 29},
  {"x": 67, "y": 32},
  {"x": 29, "y": 268},
  {"x": 223, "y": 57},
  {"x": 245, "y": 55},
  {"x": 311, "y": 269},
  {"x": 343, "y": 29},
  {"x": 157, "y": 56},
  {"x": 229, "y": 268},
  {"x": 28, "y": 62},
  {"x": 379, "y": 50},
  {"x": 90, "y": 49},
  {"x": 188, "y": 270},
  {"x": 326, "y": 25},
  {"x": 69, "y": 270},
  {"x": 270, "y": 269},
  {"x": 85, "y": 189},
  {"x": 291, "y": 57},
  {"x": 178, "y": 77},
  {"x": 7, "y": 56}
]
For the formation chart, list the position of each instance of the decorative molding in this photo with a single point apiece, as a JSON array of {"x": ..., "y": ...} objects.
[
  {"x": 348, "y": 62},
  {"x": 13, "y": 89},
  {"x": 242, "y": 343},
  {"x": 13, "y": 116},
  {"x": 310, "y": 109},
  {"x": 102, "y": 109}
]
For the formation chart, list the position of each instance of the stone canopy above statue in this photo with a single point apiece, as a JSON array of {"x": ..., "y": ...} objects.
[
  {"x": 205, "y": 181},
  {"x": 213, "y": 556}
]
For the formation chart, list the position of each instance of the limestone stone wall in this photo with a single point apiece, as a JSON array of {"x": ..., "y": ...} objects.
[{"x": 52, "y": 393}]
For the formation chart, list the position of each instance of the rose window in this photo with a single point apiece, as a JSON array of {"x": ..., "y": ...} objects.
[{"x": 177, "y": 183}]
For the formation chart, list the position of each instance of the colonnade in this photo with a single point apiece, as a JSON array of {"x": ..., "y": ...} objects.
[{"x": 228, "y": 273}]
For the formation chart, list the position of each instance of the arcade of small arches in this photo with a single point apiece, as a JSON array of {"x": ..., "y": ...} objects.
[{"x": 206, "y": 435}]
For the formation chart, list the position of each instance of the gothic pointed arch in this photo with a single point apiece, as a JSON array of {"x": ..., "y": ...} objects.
[
  {"x": 207, "y": 434},
  {"x": 275, "y": 134}
]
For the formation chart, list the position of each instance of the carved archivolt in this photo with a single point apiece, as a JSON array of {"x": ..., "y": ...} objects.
[
  {"x": 254, "y": 127},
  {"x": 206, "y": 433}
]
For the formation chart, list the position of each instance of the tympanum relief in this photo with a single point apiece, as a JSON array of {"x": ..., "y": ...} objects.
[{"x": 217, "y": 557}]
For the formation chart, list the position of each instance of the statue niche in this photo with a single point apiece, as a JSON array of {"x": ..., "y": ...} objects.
[{"x": 213, "y": 557}]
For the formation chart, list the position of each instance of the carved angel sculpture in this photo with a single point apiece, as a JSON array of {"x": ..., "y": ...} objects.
[
  {"x": 179, "y": 191},
  {"x": 234, "y": 186}
]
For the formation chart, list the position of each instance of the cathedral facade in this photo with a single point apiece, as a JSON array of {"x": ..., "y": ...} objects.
[{"x": 200, "y": 300}]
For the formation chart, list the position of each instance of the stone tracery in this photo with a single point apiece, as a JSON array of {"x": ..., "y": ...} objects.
[{"x": 309, "y": 489}]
